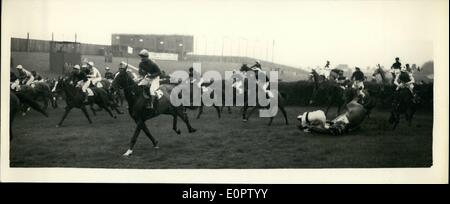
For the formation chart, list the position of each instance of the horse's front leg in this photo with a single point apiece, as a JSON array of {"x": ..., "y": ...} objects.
[
  {"x": 149, "y": 135},
  {"x": 83, "y": 108},
  {"x": 91, "y": 105},
  {"x": 183, "y": 115},
  {"x": 200, "y": 111},
  {"x": 218, "y": 110},
  {"x": 244, "y": 113},
  {"x": 174, "y": 123},
  {"x": 251, "y": 112},
  {"x": 66, "y": 112},
  {"x": 133, "y": 140}
]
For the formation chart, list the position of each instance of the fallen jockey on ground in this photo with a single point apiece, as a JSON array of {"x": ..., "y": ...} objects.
[{"x": 351, "y": 119}]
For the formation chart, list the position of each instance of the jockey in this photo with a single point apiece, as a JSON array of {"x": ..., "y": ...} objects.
[
  {"x": 312, "y": 119},
  {"x": 25, "y": 76},
  {"x": 351, "y": 119},
  {"x": 80, "y": 79},
  {"x": 256, "y": 66},
  {"x": 108, "y": 74},
  {"x": 14, "y": 82},
  {"x": 124, "y": 66},
  {"x": 405, "y": 79},
  {"x": 358, "y": 81},
  {"x": 192, "y": 78},
  {"x": 326, "y": 70},
  {"x": 93, "y": 75},
  {"x": 395, "y": 68},
  {"x": 263, "y": 84},
  {"x": 150, "y": 72},
  {"x": 37, "y": 77},
  {"x": 239, "y": 77}
]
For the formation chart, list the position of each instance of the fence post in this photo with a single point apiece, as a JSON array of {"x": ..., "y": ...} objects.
[{"x": 28, "y": 42}]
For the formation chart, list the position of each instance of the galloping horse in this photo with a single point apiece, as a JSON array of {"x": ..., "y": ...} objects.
[
  {"x": 16, "y": 100},
  {"x": 382, "y": 73},
  {"x": 245, "y": 90},
  {"x": 40, "y": 92},
  {"x": 333, "y": 93},
  {"x": 75, "y": 99},
  {"x": 204, "y": 87},
  {"x": 402, "y": 104},
  {"x": 138, "y": 111}
]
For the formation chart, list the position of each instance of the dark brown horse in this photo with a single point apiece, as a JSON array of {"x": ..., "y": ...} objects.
[
  {"x": 251, "y": 92},
  {"x": 402, "y": 105},
  {"x": 74, "y": 97},
  {"x": 138, "y": 111},
  {"x": 16, "y": 101},
  {"x": 331, "y": 91},
  {"x": 40, "y": 91}
]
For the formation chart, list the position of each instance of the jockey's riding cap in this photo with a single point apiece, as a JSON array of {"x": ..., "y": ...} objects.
[{"x": 143, "y": 53}]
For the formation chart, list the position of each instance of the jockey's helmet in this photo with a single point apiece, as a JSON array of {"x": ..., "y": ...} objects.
[
  {"x": 397, "y": 59},
  {"x": 357, "y": 68},
  {"x": 76, "y": 67},
  {"x": 107, "y": 68},
  {"x": 403, "y": 69},
  {"x": 143, "y": 53},
  {"x": 299, "y": 118},
  {"x": 91, "y": 64},
  {"x": 19, "y": 67},
  {"x": 122, "y": 65}
]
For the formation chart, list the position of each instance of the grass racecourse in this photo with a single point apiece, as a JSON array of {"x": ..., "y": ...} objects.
[{"x": 218, "y": 143}]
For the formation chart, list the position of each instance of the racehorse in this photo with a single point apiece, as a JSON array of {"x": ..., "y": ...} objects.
[
  {"x": 334, "y": 94},
  {"x": 16, "y": 100},
  {"x": 243, "y": 80},
  {"x": 40, "y": 92},
  {"x": 138, "y": 111},
  {"x": 336, "y": 73},
  {"x": 382, "y": 73},
  {"x": 204, "y": 87},
  {"x": 402, "y": 104},
  {"x": 75, "y": 99},
  {"x": 113, "y": 95}
]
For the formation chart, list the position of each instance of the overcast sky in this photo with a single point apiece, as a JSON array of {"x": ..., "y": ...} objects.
[{"x": 306, "y": 33}]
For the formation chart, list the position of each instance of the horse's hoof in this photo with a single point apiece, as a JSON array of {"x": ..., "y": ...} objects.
[
  {"x": 192, "y": 130},
  {"x": 128, "y": 153},
  {"x": 178, "y": 132},
  {"x": 115, "y": 117},
  {"x": 156, "y": 146}
]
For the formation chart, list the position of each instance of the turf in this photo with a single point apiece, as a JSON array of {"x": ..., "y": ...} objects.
[{"x": 219, "y": 143}]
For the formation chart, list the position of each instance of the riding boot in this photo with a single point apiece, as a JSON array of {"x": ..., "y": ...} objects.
[
  {"x": 415, "y": 98},
  {"x": 86, "y": 98},
  {"x": 149, "y": 104},
  {"x": 154, "y": 103}
]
